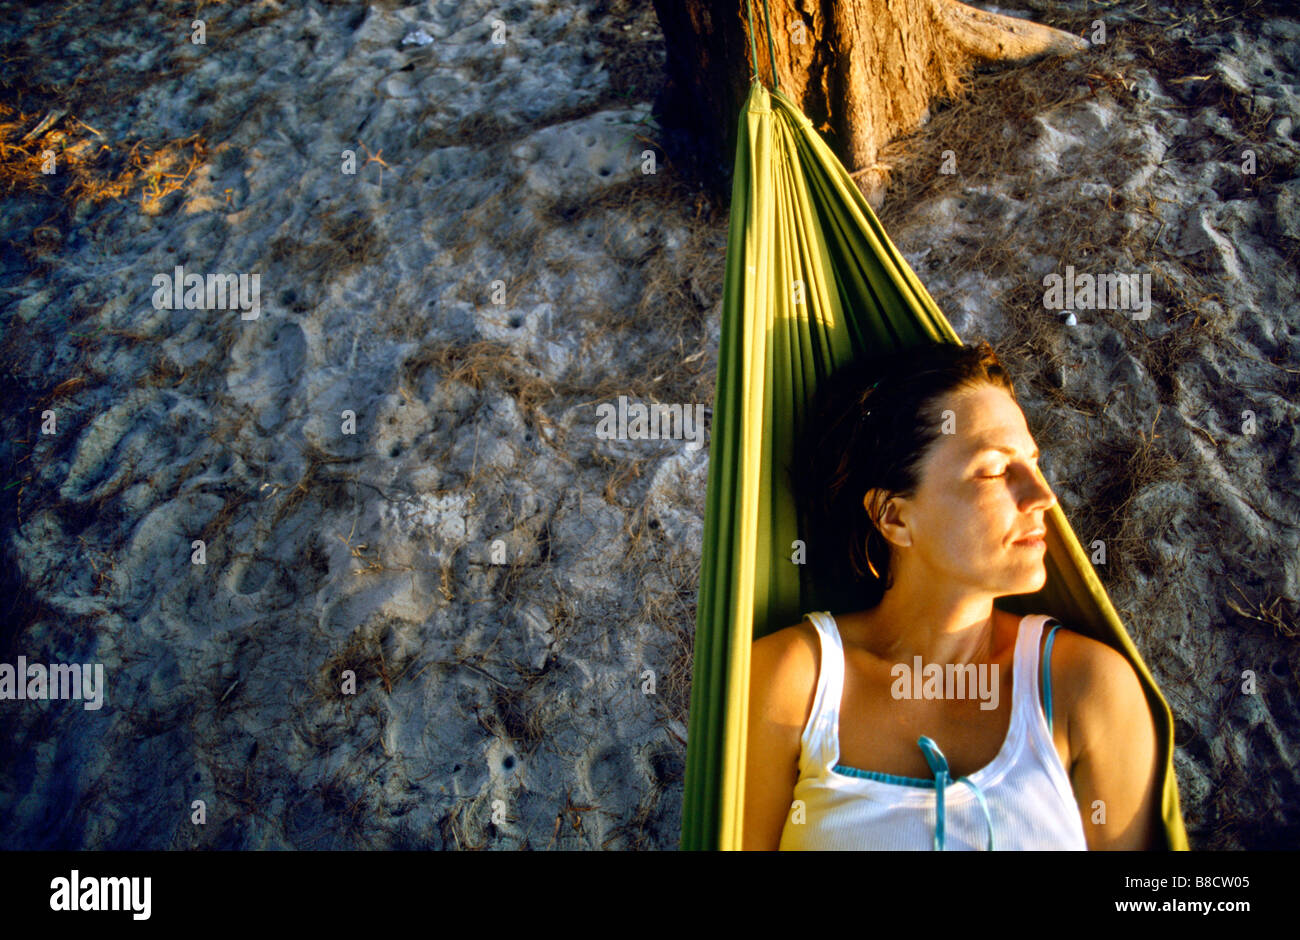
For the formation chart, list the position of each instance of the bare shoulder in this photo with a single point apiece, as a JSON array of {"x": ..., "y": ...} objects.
[
  {"x": 795, "y": 648},
  {"x": 782, "y": 686},
  {"x": 1091, "y": 664},
  {"x": 1097, "y": 683},
  {"x": 783, "y": 670},
  {"x": 1113, "y": 745}
]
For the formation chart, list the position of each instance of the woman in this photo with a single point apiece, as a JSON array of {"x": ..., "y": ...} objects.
[{"x": 923, "y": 502}]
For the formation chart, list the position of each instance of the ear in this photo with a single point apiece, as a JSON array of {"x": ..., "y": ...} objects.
[
  {"x": 876, "y": 513},
  {"x": 891, "y": 524}
]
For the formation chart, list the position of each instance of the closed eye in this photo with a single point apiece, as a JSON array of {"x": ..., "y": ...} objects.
[{"x": 996, "y": 476}]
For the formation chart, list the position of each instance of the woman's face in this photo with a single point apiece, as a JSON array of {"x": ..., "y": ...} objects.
[{"x": 975, "y": 502}]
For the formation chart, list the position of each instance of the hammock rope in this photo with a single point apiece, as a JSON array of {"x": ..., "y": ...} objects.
[{"x": 771, "y": 50}]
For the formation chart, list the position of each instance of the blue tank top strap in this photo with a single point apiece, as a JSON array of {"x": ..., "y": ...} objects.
[{"x": 1047, "y": 674}]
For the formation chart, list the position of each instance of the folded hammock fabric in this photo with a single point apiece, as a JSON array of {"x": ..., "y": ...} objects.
[{"x": 813, "y": 282}]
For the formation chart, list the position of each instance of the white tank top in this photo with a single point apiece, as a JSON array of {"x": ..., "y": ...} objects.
[{"x": 1022, "y": 799}]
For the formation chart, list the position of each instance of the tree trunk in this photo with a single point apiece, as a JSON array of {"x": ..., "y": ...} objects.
[{"x": 864, "y": 71}]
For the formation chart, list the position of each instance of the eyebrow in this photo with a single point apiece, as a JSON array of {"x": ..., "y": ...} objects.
[{"x": 981, "y": 448}]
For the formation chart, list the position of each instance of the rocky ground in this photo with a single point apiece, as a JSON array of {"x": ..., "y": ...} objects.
[{"x": 394, "y": 471}]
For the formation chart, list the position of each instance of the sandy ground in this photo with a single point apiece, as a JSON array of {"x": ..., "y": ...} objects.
[{"x": 395, "y": 471}]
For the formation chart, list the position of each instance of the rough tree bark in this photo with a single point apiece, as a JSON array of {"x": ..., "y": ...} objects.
[{"x": 864, "y": 71}]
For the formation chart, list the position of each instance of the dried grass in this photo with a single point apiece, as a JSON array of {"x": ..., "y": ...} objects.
[{"x": 87, "y": 168}]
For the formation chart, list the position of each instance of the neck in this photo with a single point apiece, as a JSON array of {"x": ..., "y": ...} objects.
[{"x": 955, "y": 628}]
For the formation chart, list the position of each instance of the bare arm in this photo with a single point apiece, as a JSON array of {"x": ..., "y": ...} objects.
[
  {"x": 1114, "y": 765},
  {"x": 782, "y": 683}
]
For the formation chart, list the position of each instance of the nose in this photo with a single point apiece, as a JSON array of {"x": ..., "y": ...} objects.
[{"x": 1041, "y": 494}]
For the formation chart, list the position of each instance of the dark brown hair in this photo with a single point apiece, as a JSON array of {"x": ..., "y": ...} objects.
[{"x": 872, "y": 424}]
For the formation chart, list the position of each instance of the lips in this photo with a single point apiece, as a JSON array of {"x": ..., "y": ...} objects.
[{"x": 1036, "y": 535}]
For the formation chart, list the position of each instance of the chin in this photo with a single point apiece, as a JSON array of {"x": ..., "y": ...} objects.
[
  {"x": 1026, "y": 581},
  {"x": 1035, "y": 581}
]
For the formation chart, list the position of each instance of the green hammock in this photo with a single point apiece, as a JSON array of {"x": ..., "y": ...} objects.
[{"x": 813, "y": 282}]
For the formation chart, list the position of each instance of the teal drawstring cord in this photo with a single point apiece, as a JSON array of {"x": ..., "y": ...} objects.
[{"x": 939, "y": 766}]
